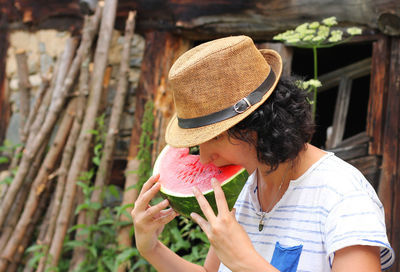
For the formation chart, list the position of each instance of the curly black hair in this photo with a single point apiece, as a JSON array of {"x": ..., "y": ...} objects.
[{"x": 283, "y": 124}]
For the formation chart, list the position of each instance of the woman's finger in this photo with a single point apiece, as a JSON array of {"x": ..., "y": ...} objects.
[
  {"x": 149, "y": 183},
  {"x": 156, "y": 209},
  {"x": 219, "y": 197},
  {"x": 204, "y": 205},
  {"x": 166, "y": 216},
  {"x": 204, "y": 225},
  {"x": 144, "y": 198}
]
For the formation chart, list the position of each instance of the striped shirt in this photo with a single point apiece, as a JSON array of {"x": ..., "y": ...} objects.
[{"x": 329, "y": 207}]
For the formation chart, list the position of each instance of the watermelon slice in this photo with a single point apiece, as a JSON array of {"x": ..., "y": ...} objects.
[{"x": 180, "y": 171}]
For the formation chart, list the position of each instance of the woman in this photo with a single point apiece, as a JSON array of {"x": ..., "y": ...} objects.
[{"x": 302, "y": 209}]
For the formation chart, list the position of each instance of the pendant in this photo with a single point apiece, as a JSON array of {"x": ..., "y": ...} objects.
[{"x": 261, "y": 225}]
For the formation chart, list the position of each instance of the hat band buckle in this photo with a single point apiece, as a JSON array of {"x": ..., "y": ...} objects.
[{"x": 242, "y": 106}]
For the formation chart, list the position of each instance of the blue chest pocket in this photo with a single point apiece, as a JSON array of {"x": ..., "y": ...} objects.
[{"x": 286, "y": 259}]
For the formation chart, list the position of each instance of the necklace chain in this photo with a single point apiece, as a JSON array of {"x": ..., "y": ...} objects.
[{"x": 261, "y": 223}]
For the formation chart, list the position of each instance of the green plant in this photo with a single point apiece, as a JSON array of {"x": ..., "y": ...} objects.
[
  {"x": 103, "y": 253},
  {"x": 7, "y": 150},
  {"x": 99, "y": 139},
  {"x": 316, "y": 35},
  {"x": 145, "y": 144}
]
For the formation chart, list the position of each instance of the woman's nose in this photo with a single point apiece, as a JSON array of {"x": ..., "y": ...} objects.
[{"x": 205, "y": 155}]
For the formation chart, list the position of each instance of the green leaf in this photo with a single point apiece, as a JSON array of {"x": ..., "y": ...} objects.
[
  {"x": 93, "y": 132},
  {"x": 7, "y": 180},
  {"x": 110, "y": 263},
  {"x": 75, "y": 243},
  {"x": 180, "y": 243},
  {"x": 98, "y": 148},
  {"x": 140, "y": 263},
  {"x": 93, "y": 251},
  {"x": 127, "y": 254},
  {"x": 106, "y": 222},
  {"x": 35, "y": 260},
  {"x": 93, "y": 206},
  {"x": 76, "y": 227},
  {"x": 114, "y": 191},
  {"x": 35, "y": 248},
  {"x": 3, "y": 160},
  {"x": 121, "y": 209},
  {"x": 96, "y": 161}
]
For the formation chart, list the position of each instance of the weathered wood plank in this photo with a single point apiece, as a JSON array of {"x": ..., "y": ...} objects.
[
  {"x": 369, "y": 167},
  {"x": 286, "y": 53},
  {"x": 163, "y": 100},
  {"x": 351, "y": 152},
  {"x": 258, "y": 18},
  {"x": 162, "y": 49},
  {"x": 377, "y": 93},
  {"x": 4, "y": 99},
  {"x": 352, "y": 71},
  {"x": 389, "y": 184},
  {"x": 341, "y": 109},
  {"x": 34, "y": 11},
  {"x": 359, "y": 138},
  {"x": 207, "y": 19}
]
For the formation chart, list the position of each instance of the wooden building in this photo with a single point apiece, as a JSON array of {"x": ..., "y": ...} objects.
[{"x": 359, "y": 99}]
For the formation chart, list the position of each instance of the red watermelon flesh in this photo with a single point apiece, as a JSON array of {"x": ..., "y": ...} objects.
[{"x": 189, "y": 172}]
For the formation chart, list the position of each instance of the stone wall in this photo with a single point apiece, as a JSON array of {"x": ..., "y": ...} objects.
[{"x": 43, "y": 48}]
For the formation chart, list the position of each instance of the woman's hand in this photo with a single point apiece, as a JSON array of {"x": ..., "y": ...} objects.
[
  {"x": 229, "y": 240},
  {"x": 149, "y": 221}
]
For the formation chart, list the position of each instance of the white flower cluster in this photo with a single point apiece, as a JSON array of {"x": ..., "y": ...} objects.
[{"x": 316, "y": 34}]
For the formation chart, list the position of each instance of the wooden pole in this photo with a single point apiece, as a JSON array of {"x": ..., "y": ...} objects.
[
  {"x": 130, "y": 195},
  {"x": 24, "y": 90},
  {"x": 44, "y": 86},
  {"x": 40, "y": 116},
  {"x": 65, "y": 63},
  {"x": 83, "y": 144},
  {"x": 83, "y": 90}
]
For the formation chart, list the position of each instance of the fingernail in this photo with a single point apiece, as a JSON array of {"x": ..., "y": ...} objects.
[
  {"x": 214, "y": 180},
  {"x": 195, "y": 190}
]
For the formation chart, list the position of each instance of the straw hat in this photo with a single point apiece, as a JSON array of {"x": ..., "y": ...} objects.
[{"x": 216, "y": 85}]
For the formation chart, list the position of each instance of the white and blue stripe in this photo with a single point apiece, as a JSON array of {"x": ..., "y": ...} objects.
[{"x": 331, "y": 206}]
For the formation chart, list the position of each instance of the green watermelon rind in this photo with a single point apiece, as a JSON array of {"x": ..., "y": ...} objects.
[{"x": 186, "y": 204}]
